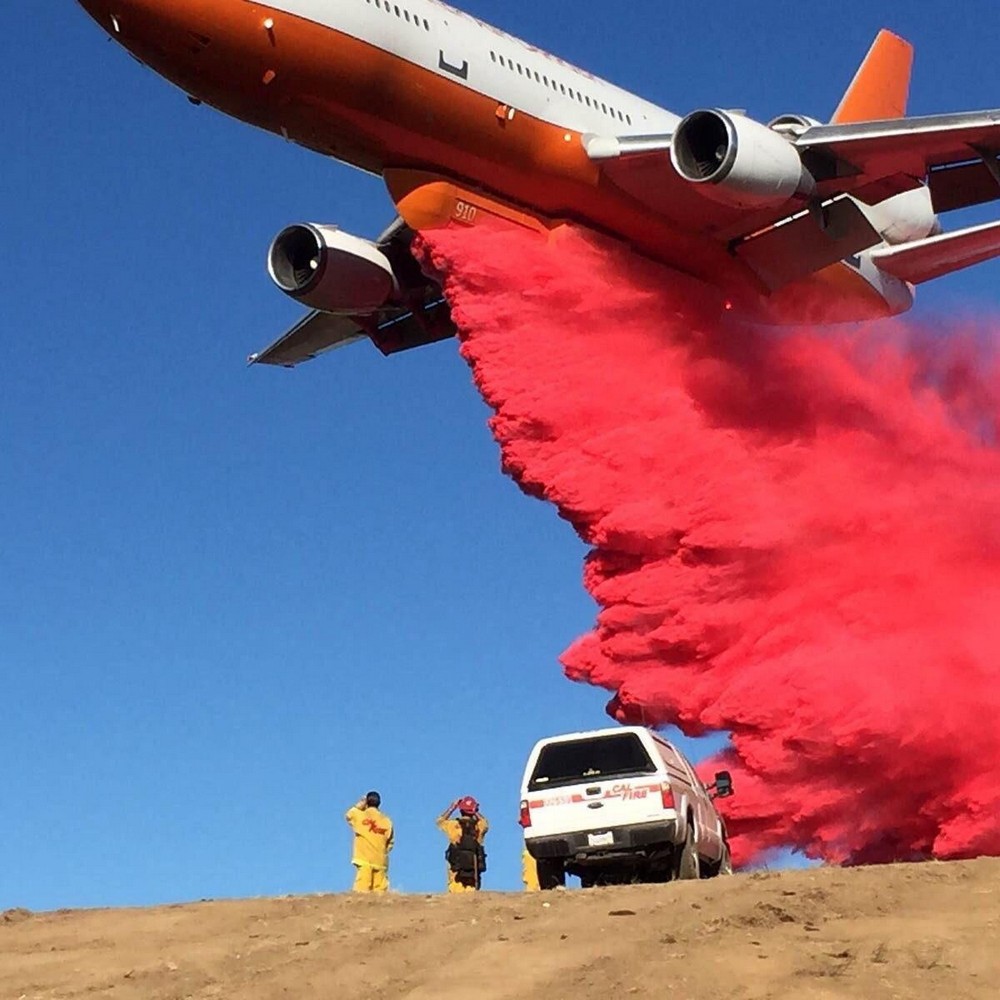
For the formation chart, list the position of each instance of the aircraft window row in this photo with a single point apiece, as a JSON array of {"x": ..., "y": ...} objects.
[
  {"x": 401, "y": 12},
  {"x": 552, "y": 84}
]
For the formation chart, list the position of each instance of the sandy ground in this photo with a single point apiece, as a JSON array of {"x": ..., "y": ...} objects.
[{"x": 891, "y": 932}]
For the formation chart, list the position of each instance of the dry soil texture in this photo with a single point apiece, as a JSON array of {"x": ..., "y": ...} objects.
[{"x": 890, "y": 932}]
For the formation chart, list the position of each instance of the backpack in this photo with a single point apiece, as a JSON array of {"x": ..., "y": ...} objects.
[{"x": 467, "y": 857}]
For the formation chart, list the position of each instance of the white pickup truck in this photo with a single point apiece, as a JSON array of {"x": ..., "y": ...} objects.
[{"x": 620, "y": 805}]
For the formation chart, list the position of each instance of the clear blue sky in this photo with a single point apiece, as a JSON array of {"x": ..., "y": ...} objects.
[{"x": 232, "y": 600}]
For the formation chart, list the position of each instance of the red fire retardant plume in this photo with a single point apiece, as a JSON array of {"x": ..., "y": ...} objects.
[{"x": 795, "y": 536}]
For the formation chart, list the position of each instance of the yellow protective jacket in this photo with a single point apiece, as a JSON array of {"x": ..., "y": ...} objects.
[
  {"x": 372, "y": 836},
  {"x": 452, "y": 829}
]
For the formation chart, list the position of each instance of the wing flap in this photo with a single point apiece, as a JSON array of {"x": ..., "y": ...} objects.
[
  {"x": 936, "y": 256},
  {"x": 427, "y": 324},
  {"x": 807, "y": 243},
  {"x": 963, "y": 185}
]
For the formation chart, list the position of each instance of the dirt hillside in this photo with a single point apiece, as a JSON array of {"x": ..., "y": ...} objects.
[{"x": 906, "y": 931}]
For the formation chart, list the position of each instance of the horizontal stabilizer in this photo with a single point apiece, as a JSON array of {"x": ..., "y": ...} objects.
[{"x": 939, "y": 255}]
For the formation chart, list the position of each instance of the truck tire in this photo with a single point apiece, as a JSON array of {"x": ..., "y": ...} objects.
[
  {"x": 726, "y": 862},
  {"x": 724, "y": 866},
  {"x": 688, "y": 862},
  {"x": 551, "y": 873},
  {"x": 593, "y": 877},
  {"x": 658, "y": 873}
]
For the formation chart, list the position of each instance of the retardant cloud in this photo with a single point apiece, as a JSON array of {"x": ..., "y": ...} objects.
[{"x": 795, "y": 535}]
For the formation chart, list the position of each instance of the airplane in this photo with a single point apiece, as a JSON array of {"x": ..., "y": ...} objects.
[{"x": 787, "y": 221}]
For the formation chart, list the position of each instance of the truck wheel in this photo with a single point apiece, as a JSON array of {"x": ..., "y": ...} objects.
[
  {"x": 724, "y": 866},
  {"x": 726, "y": 862},
  {"x": 688, "y": 862},
  {"x": 658, "y": 873},
  {"x": 607, "y": 876},
  {"x": 551, "y": 874}
]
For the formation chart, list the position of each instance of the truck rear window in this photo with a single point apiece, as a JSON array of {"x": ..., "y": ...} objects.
[{"x": 592, "y": 759}]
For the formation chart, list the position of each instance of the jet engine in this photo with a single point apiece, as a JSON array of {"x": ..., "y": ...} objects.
[
  {"x": 327, "y": 269},
  {"x": 792, "y": 124},
  {"x": 737, "y": 160}
]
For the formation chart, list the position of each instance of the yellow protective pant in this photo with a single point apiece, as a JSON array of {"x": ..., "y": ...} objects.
[
  {"x": 455, "y": 886},
  {"x": 370, "y": 879},
  {"x": 529, "y": 873}
]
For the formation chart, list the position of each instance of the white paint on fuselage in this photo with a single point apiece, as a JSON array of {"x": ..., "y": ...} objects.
[{"x": 489, "y": 62}]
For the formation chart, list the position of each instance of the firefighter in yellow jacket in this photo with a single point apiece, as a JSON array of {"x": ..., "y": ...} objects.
[
  {"x": 372, "y": 843},
  {"x": 466, "y": 855}
]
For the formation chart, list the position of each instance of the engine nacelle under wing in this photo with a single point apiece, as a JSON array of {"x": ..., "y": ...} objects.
[
  {"x": 905, "y": 217},
  {"x": 323, "y": 267},
  {"x": 737, "y": 160}
]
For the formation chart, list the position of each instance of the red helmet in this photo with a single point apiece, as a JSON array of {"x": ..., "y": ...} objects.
[{"x": 468, "y": 806}]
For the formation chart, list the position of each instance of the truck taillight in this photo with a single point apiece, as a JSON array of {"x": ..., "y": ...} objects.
[
  {"x": 525, "y": 819},
  {"x": 667, "y": 796}
]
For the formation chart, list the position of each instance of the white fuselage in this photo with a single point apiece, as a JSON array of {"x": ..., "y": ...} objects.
[{"x": 489, "y": 62}]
